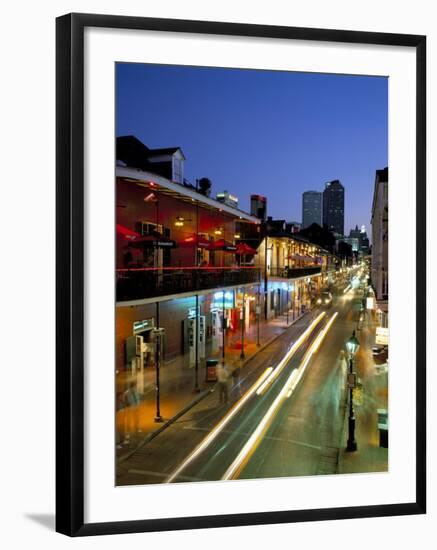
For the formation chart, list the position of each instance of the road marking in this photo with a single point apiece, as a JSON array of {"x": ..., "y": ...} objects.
[{"x": 270, "y": 438}]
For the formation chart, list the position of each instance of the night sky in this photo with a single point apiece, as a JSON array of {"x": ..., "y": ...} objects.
[{"x": 273, "y": 133}]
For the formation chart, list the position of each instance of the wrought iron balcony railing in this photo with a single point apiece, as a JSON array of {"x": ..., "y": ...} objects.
[
  {"x": 294, "y": 272},
  {"x": 140, "y": 283}
]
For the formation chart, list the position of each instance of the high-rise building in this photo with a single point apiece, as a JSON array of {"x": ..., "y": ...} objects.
[
  {"x": 333, "y": 207},
  {"x": 311, "y": 208},
  {"x": 258, "y": 206}
]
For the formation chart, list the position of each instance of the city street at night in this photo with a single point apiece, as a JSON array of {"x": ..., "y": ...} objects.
[{"x": 251, "y": 275}]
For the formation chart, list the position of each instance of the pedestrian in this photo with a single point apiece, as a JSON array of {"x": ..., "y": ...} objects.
[
  {"x": 132, "y": 411},
  {"x": 236, "y": 380},
  {"x": 223, "y": 380}
]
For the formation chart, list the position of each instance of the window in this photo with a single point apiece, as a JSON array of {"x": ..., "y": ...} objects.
[{"x": 178, "y": 170}]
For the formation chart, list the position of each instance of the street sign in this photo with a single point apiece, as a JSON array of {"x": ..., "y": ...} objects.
[
  {"x": 352, "y": 380},
  {"x": 381, "y": 336}
]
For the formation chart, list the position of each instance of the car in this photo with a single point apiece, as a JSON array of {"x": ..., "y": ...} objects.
[{"x": 324, "y": 299}]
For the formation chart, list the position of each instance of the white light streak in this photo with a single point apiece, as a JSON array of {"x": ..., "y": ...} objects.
[
  {"x": 246, "y": 452},
  {"x": 219, "y": 427},
  {"x": 283, "y": 362}
]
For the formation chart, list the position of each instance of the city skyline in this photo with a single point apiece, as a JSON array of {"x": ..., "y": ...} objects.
[{"x": 250, "y": 130}]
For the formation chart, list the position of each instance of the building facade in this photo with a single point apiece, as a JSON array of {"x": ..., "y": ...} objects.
[
  {"x": 179, "y": 269},
  {"x": 293, "y": 270},
  {"x": 379, "y": 222},
  {"x": 333, "y": 207},
  {"x": 311, "y": 208}
]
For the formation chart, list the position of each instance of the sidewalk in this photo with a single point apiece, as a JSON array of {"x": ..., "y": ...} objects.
[
  {"x": 373, "y": 395},
  {"x": 177, "y": 384}
]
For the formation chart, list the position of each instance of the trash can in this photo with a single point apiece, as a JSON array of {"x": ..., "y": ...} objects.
[{"x": 211, "y": 370}]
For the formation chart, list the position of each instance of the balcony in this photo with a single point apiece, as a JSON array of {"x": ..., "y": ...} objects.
[
  {"x": 294, "y": 272},
  {"x": 141, "y": 283}
]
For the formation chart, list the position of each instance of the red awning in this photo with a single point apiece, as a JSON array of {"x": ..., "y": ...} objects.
[
  {"x": 243, "y": 249},
  {"x": 221, "y": 244},
  {"x": 126, "y": 233},
  {"x": 195, "y": 241}
]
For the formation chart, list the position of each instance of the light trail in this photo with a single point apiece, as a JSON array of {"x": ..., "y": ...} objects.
[
  {"x": 283, "y": 362},
  {"x": 249, "y": 448},
  {"x": 219, "y": 427}
]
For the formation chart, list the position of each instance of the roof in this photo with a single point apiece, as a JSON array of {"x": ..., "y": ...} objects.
[
  {"x": 142, "y": 177},
  {"x": 134, "y": 153},
  {"x": 334, "y": 183},
  {"x": 165, "y": 151}
]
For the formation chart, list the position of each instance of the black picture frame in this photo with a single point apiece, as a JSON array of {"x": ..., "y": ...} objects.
[{"x": 70, "y": 273}]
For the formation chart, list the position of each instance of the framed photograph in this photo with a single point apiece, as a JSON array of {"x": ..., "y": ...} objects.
[{"x": 240, "y": 274}]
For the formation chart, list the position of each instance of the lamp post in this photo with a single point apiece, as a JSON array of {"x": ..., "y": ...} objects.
[
  {"x": 158, "y": 334},
  {"x": 352, "y": 345},
  {"x": 196, "y": 388},
  {"x": 223, "y": 327},
  {"x": 258, "y": 314},
  {"x": 243, "y": 320}
]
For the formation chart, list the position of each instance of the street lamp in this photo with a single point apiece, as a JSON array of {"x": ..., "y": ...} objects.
[
  {"x": 352, "y": 345},
  {"x": 243, "y": 321},
  {"x": 258, "y": 314},
  {"x": 158, "y": 334}
]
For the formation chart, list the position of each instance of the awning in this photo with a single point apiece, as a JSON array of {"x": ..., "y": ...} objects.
[
  {"x": 221, "y": 244},
  {"x": 243, "y": 249},
  {"x": 195, "y": 241},
  {"x": 126, "y": 233}
]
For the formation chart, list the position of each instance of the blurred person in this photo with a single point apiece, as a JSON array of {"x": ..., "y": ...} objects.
[
  {"x": 131, "y": 411},
  {"x": 223, "y": 380}
]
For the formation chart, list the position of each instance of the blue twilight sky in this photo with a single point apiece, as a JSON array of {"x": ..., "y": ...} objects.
[{"x": 273, "y": 133}]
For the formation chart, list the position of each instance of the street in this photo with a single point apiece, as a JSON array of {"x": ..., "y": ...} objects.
[{"x": 288, "y": 421}]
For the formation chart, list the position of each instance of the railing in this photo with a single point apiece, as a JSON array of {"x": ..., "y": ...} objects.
[
  {"x": 294, "y": 272},
  {"x": 140, "y": 283}
]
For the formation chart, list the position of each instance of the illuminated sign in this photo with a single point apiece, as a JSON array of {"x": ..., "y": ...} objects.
[
  {"x": 370, "y": 303},
  {"x": 381, "y": 336},
  {"x": 192, "y": 312},
  {"x": 145, "y": 324},
  {"x": 219, "y": 298}
]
